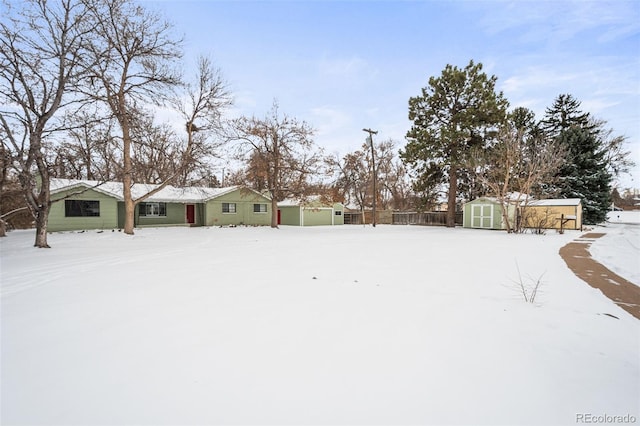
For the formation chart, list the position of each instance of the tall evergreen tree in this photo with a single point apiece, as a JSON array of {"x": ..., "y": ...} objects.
[
  {"x": 585, "y": 174},
  {"x": 563, "y": 114},
  {"x": 450, "y": 117},
  {"x": 523, "y": 119}
]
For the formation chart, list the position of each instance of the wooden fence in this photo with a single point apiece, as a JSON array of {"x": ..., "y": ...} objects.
[
  {"x": 402, "y": 218},
  {"x": 426, "y": 218}
]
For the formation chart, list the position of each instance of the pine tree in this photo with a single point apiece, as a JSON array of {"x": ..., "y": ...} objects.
[
  {"x": 523, "y": 119},
  {"x": 585, "y": 174},
  {"x": 565, "y": 113},
  {"x": 450, "y": 118}
]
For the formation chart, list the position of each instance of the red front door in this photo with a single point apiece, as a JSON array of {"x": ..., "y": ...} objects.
[
  {"x": 279, "y": 216},
  {"x": 191, "y": 213}
]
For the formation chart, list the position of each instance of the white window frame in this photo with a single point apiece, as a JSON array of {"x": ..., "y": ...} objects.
[
  {"x": 260, "y": 207},
  {"x": 152, "y": 209}
]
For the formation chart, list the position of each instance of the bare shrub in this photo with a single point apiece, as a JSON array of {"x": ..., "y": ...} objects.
[{"x": 528, "y": 286}]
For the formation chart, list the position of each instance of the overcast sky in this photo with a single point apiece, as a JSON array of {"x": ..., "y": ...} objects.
[{"x": 346, "y": 65}]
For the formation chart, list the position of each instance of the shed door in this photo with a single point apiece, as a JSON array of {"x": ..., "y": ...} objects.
[
  {"x": 482, "y": 216},
  {"x": 191, "y": 213}
]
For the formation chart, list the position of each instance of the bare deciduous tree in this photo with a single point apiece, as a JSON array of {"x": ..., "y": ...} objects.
[
  {"x": 89, "y": 150},
  {"x": 41, "y": 49},
  {"x": 155, "y": 151},
  {"x": 514, "y": 165},
  {"x": 353, "y": 177},
  {"x": 282, "y": 148},
  {"x": 201, "y": 107},
  {"x": 394, "y": 189},
  {"x": 617, "y": 157},
  {"x": 132, "y": 53},
  {"x": 5, "y": 162}
]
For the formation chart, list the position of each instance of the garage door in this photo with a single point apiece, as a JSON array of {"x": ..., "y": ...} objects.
[{"x": 317, "y": 216}]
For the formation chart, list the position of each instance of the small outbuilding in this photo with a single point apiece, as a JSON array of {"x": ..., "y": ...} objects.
[
  {"x": 310, "y": 212},
  {"x": 555, "y": 213},
  {"x": 486, "y": 213}
]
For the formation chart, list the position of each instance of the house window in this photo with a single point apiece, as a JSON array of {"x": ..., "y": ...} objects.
[
  {"x": 153, "y": 209},
  {"x": 81, "y": 208},
  {"x": 259, "y": 208},
  {"x": 228, "y": 207},
  {"x": 338, "y": 212}
]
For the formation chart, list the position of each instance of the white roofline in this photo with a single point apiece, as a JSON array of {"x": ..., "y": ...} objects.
[
  {"x": 190, "y": 194},
  {"x": 88, "y": 184},
  {"x": 553, "y": 202}
]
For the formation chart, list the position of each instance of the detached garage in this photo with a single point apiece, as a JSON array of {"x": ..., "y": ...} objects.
[
  {"x": 310, "y": 213},
  {"x": 485, "y": 213}
]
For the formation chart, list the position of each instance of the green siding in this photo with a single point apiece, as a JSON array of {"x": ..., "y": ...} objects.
[
  {"x": 485, "y": 213},
  {"x": 176, "y": 215},
  {"x": 201, "y": 210},
  {"x": 316, "y": 216},
  {"x": 244, "y": 200},
  {"x": 112, "y": 211},
  {"x": 120, "y": 214},
  {"x": 338, "y": 219},
  {"x": 108, "y": 218},
  {"x": 290, "y": 215},
  {"x": 313, "y": 214}
]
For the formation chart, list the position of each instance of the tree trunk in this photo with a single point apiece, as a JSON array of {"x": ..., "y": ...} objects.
[
  {"x": 129, "y": 210},
  {"x": 274, "y": 212},
  {"x": 275, "y": 182},
  {"x": 505, "y": 215},
  {"x": 42, "y": 217},
  {"x": 41, "y": 204},
  {"x": 453, "y": 191},
  {"x": 129, "y": 206}
]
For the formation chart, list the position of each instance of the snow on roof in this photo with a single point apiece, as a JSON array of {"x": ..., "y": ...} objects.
[
  {"x": 289, "y": 202},
  {"x": 307, "y": 201},
  {"x": 515, "y": 197},
  {"x": 310, "y": 200},
  {"x": 555, "y": 202},
  {"x": 167, "y": 194},
  {"x": 511, "y": 197}
]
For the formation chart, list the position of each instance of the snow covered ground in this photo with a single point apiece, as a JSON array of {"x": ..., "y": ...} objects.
[
  {"x": 619, "y": 249},
  {"x": 328, "y": 325}
]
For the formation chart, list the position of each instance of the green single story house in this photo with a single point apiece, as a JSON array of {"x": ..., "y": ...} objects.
[
  {"x": 84, "y": 204},
  {"x": 486, "y": 213},
  {"x": 310, "y": 212}
]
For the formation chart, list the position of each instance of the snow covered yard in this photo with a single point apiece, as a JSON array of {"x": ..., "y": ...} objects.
[{"x": 328, "y": 325}]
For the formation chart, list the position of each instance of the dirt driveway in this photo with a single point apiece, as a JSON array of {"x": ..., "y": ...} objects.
[{"x": 577, "y": 257}]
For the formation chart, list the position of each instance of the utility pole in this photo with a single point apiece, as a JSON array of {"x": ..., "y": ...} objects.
[{"x": 375, "y": 174}]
